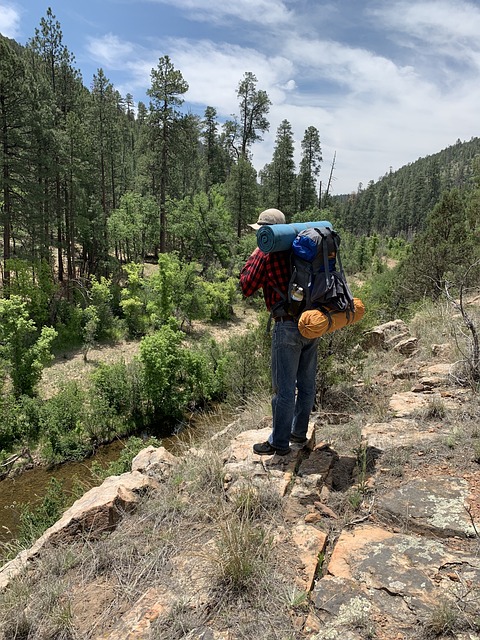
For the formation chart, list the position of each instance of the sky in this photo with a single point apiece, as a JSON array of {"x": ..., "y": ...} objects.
[{"x": 385, "y": 82}]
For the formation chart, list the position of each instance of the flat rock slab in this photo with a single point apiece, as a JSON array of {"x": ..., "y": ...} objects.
[
  {"x": 441, "y": 369},
  {"x": 400, "y": 432},
  {"x": 434, "y": 505},
  {"x": 242, "y": 465},
  {"x": 408, "y": 403},
  {"x": 310, "y": 542},
  {"x": 341, "y": 604},
  {"x": 394, "y": 576}
]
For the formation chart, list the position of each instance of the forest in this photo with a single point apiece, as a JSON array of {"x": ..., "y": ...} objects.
[{"x": 129, "y": 221}]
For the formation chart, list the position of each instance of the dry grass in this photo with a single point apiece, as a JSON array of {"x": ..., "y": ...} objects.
[{"x": 214, "y": 557}]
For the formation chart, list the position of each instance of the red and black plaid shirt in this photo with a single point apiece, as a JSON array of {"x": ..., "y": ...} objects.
[{"x": 268, "y": 271}]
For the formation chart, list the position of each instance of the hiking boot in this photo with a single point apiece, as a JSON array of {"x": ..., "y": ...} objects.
[
  {"x": 297, "y": 439},
  {"x": 267, "y": 449}
]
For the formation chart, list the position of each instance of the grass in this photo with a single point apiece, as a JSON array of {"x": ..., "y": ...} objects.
[
  {"x": 221, "y": 558},
  {"x": 185, "y": 536}
]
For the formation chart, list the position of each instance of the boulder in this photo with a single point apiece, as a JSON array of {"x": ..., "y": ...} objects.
[
  {"x": 97, "y": 511},
  {"x": 156, "y": 462},
  {"x": 385, "y": 336}
]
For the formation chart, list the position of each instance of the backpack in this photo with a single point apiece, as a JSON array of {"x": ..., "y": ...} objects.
[{"x": 315, "y": 281}]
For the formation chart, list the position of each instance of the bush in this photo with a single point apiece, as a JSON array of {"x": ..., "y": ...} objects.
[
  {"x": 101, "y": 301},
  {"x": 244, "y": 363},
  {"x": 24, "y": 350},
  {"x": 120, "y": 385},
  {"x": 174, "y": 377},
  {"x": 19, "y": 421},
  {"x": 61, "y": 423}
]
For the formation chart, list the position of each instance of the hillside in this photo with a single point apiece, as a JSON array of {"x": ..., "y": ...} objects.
[
  {"x": 372, "y": 531},
  {"x": 398, "y": 203}
]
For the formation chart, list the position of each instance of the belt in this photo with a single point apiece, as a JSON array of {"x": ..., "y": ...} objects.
[{"x": 285, "y": 319}]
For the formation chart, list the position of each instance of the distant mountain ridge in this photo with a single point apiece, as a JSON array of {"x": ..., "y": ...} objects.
[{"x": 399, "y": 202}]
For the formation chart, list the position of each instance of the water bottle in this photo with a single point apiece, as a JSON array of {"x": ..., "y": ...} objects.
[{"x": 296, "y": 299}]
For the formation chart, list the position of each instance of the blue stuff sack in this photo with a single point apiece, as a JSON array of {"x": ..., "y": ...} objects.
[{"x": 306, "y": 244}]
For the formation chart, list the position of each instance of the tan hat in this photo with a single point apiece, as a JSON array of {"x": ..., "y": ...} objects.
[{"x": 269, "y": 216}]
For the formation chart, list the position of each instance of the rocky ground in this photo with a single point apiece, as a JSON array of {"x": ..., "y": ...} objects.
[{"x": 373, "y": 527}]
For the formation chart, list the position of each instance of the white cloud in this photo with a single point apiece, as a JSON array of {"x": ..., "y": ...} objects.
[
  {"x": 374, "y": 106},
  {"x": 214, "y": 71},
  {"x": 9, "y": 20},
  {"x": 264, "y": 12},
  {"x": 438, "y": 28},
  {"x": 110, "y": 51}
]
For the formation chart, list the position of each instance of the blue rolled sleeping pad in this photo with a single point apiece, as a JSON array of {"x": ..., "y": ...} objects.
[{"x": 279, "y": 237}]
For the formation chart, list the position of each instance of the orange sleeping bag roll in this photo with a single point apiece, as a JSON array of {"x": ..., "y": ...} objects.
[{"x": 313, "y": 323}]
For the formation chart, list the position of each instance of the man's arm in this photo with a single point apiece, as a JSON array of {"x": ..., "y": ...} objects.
[{"x": 252, "y": 276}]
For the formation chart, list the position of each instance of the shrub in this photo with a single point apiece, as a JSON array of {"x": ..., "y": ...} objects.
[
  {"x": 19, "y": 421},
  {"x": 120, "y": 385},
  {"x": 174, "y": 377},
  {"x": 24, "y": 350},
  {"x": 102, "y": 300},
  {"x": 61, "y": 424},
  {"x": 244, "y": 363}
]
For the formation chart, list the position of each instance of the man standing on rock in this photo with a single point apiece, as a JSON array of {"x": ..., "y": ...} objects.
[{"x": 294, "y": 358}]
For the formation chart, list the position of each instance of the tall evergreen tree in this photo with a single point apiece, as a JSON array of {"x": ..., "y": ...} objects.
[
  {"x": 64, "y": 81},
  {"x": 310, "y": 163},
  {"x": 166, "y": 91},
  {"x": 278, "y": 178},
  {"x": 216, "y": 158},
  {"x": 254, "y": 105},
  {"x": 14, "y": 143},
  {"x": 242, "y": 193}
]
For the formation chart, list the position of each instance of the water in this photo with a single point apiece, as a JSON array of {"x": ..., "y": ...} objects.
[{"x": 30, "y": 486}]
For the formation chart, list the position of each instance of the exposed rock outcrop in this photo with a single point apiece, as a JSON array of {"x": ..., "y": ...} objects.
[{"x": 381, "y": 574}]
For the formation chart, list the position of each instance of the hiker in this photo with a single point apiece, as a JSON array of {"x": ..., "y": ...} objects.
[{"x": 294, "y": 358}]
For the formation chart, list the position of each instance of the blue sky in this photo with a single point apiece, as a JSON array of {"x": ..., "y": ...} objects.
[{"x": 384, "y": 82}]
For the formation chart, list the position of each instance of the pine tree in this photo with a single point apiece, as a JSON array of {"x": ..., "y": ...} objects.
[
  {"x": 310, "y": 164},
  {"x": 165, "y": 92},
  {"x": 278, "y": 177}
]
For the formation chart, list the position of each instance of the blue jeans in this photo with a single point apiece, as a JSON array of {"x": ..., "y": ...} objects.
[{"x": 294, "y": 365}]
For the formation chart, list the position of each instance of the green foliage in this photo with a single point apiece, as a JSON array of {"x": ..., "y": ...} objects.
[
  {"x": 202, "y": 228},
  {"x": 34, "y": 284},
  {"x": 398, "y": 203},
  {"x": 19, "y": 421},
  {"x": 35, "y": 520},
  {"x": 132, "y": 226},
  {"x": 63, "y": 437},
  {"x": 219, "y": 298},
  {"x": 24, "y": 351},
  {"x": 385, "y": 296},
  {"x": 90, "y": 330},
  {"x": 177, "y": 290},
  {"x": 69, "y": 324},
  {"x": 134, "y": 301},
  {"x": 123, "y": 463},
  {"x": 442, "y": 252},
  {"x": 101, "y": 298},
  {"x": 244, "y": 363},
  {"x": 120, "y": 385},
  {"x": 174, "y": 377}
]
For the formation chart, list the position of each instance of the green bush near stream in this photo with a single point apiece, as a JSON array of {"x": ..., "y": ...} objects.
[{"x": 152, "y": 393}]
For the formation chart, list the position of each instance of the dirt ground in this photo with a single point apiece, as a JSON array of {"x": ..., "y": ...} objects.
[{"x": 71, "y": 365}]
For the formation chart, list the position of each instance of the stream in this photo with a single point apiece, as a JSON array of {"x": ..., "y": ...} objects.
[{"x": 30, "y": 486}]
